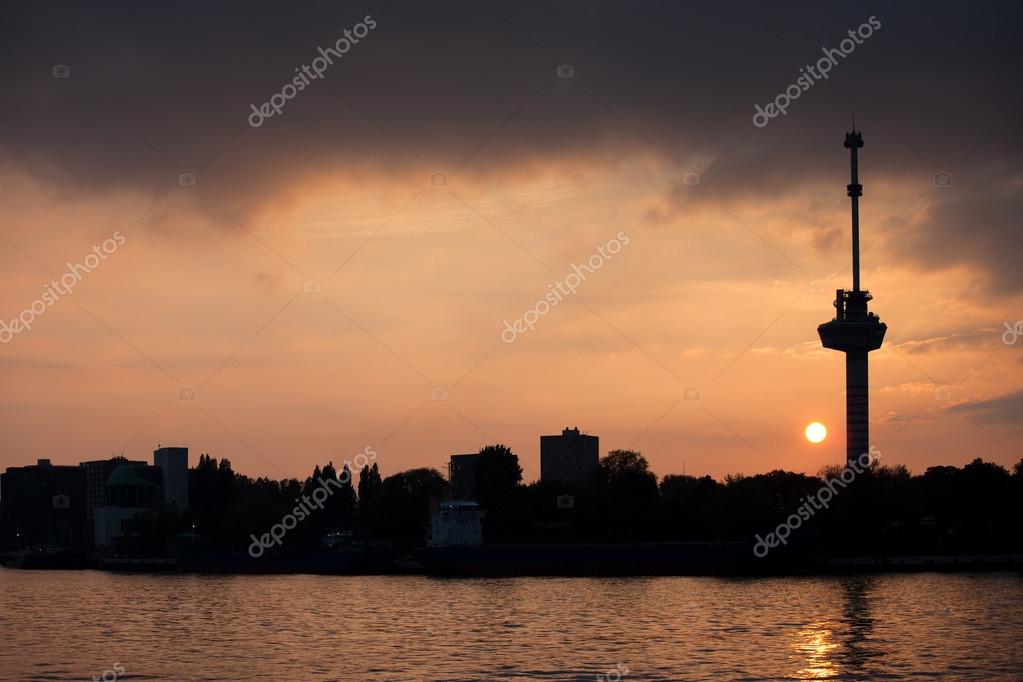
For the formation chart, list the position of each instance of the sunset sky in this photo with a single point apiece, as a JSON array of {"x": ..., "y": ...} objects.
[{"x": 720, "y": 288}]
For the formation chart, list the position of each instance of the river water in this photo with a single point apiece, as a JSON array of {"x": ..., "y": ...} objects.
[{"x": 58, "y": 625}]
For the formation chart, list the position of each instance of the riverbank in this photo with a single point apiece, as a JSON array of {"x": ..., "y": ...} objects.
[{"x": 565, "y": 560}]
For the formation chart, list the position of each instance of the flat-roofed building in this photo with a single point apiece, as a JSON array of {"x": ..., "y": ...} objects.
[
  {"x": 462, "y": 476},
  {"x": 174, "y": 462},
  {"x": 43, "y": 504},
  {"x": 569, "y": 457}
]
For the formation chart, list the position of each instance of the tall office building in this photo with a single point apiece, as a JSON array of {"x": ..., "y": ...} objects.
[
  {"x": 462, "y": 476},
  {"x": 569, "y": 457},
  {"x": 174, "y": 463}
]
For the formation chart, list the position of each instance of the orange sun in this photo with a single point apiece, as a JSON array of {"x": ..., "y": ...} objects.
[{"x": 816, "y": 432}]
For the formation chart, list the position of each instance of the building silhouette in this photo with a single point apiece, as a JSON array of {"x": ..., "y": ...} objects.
[
  {"x": 462, "y": 476},
  {"x": 44, "y": 504},
  {"x": 174, "y": 463},
  {"x": 97, "y": 473},
  {"x": 129, "y": 492},
  {"x": 569, "y": 457},
  {"x": 135, "y": 487},
  {"x": 92, "y": 503},
  {"x": 455, "y": 523},
  {"x": 854, "y": 331}
]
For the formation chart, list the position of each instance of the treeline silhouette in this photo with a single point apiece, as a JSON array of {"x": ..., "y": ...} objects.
[{"x": 974, "y": 508}]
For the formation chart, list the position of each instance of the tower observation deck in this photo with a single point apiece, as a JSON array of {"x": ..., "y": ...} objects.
[{"x": 855, "y": 331}]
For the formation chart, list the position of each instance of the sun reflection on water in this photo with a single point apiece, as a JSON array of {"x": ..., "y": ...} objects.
[{"x": 815, "y": 646}]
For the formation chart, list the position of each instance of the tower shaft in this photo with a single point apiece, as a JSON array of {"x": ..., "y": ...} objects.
[{"x": 857, "y": 417}]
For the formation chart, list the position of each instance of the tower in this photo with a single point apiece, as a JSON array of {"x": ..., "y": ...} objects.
[{"x": 854, "y": 331}]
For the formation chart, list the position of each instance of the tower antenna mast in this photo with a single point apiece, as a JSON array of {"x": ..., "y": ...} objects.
[{"x": 853, "y": 141}]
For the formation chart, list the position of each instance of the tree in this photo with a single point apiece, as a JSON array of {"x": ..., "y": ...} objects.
[
  {"x": 212, "y": 489},
  {"x": 622, "y": 496},
  {"x": 684, "y": 500},
  {"x": 369, "y": 496},
  {"x": 404, "y": 505},
  {"x": 497, "y": 475},
  {"x": 622, "y": 464},
  {"x": 346, "y": 500}
]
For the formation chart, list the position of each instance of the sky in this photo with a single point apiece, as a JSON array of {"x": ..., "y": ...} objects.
[{"x": 291, "y": 289}]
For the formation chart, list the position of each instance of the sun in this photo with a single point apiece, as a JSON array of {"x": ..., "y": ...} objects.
[{"x": 816, "y": 432}]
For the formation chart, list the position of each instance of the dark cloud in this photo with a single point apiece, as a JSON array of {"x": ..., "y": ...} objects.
[
  {"x": 973, "y": 221},
  {"x": 1004, "y": 409},
  {"x": 156, "y": 89}
]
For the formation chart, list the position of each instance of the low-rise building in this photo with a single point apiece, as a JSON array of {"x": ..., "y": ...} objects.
[
  {"x": 43, "y": 504},
  {"x": 456, "y": 523},
  {"x": 97, "y": 473},
  {"x": 130, "y": 491}
]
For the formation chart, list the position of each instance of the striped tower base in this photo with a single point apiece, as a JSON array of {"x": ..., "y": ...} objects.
[{"x": 856, "y": 405}]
